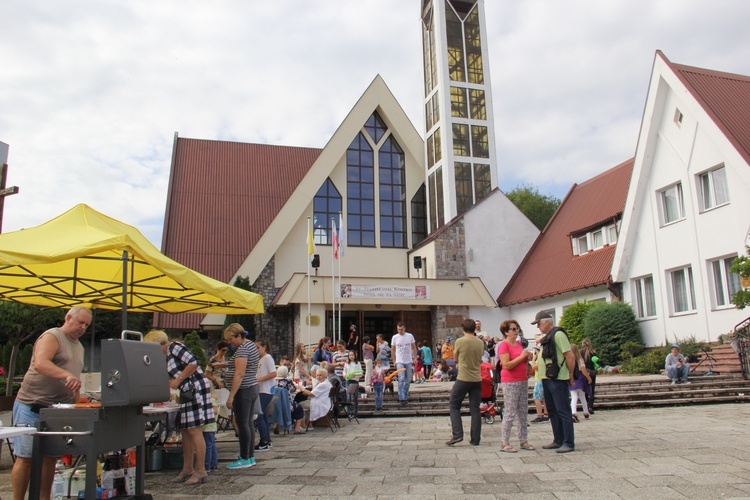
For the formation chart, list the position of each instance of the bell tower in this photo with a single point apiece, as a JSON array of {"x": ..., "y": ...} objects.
[{"x": 459, "y": 127}]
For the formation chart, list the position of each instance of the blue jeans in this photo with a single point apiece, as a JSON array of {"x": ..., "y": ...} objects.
[
  {"x": 263, "y": 427},
  {"x": 557, "y": 399},
  {"x": 404, "y": 380},
  {"x": 243, "y": 404},
  {"x": 678, "y": 373},
  {"x": 378, "y": 387},
  {"x": 212, "y": 455},
  {"x": 458, "y": 393}
]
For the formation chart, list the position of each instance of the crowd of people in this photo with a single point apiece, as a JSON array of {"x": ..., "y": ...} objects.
[{"x": 294, "y": 394}]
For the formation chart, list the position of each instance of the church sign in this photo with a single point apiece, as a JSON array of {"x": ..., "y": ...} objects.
[{"x": 420, "y": 292}]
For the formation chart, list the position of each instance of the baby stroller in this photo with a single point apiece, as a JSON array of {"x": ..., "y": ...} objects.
[{"x": 488, "y": 407}]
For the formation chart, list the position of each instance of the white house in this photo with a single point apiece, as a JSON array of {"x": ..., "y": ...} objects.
[{"x": 687, "y": 213}]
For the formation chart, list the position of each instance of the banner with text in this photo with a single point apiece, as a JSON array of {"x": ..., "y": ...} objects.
[{"x": 419, "y": 292}]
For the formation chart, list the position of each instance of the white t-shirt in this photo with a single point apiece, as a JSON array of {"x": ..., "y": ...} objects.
[
  {"x": 402, "y": 344},
  {"x": 266, "y": 366}
]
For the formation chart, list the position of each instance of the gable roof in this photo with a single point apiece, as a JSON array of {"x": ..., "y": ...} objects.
[
  {"x": 550, "y": 268},
  {"x": 724, "y": 96}
]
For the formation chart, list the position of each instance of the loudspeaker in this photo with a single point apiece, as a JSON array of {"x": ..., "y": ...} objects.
[
  {"x": 417, "y": 262},
  {"x": 316, "y": 261}
]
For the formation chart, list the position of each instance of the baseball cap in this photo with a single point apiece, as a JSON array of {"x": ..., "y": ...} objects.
[
  {"x": 675, "y": 345},
  {"x": 540, "y": 316}
]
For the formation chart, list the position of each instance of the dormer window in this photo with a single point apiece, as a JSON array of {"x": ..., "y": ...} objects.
[{"x": 595, "y": 239}]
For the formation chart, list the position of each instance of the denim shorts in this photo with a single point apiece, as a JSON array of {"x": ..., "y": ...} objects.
[{"x": 23, "y": 416}]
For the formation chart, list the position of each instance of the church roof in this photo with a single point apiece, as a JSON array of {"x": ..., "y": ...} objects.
[
  {"x": 724, "y": 96},
  {"x": 222, "y": 197},
  {"x": 550, "y": 268}
]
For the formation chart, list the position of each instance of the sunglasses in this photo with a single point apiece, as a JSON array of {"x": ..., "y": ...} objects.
[{"x": 514, "y": 329}]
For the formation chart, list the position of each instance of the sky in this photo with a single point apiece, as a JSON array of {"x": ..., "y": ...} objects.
[{"x": 92, "y": 93}]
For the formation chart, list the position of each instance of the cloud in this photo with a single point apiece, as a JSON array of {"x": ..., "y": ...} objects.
[{"x": 92, "y": 93}]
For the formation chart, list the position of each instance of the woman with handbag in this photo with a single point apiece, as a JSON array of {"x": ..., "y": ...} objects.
[{"x": 196, "y": 408}]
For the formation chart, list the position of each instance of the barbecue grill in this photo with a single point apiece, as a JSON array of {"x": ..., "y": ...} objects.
[{"x": 133, "y": 374}]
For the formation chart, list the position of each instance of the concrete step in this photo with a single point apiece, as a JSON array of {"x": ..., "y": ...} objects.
[{"x": 611, "y": 393}]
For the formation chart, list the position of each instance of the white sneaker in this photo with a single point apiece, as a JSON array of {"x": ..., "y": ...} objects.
[{"x": 674, "y": 382}]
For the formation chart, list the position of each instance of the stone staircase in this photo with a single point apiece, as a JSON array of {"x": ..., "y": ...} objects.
[
  {"x": 721, "y": 359},
  {"x": 612, "y": 392}
]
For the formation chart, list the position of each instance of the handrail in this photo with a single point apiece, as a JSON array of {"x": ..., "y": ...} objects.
[{"x": 741, "y": 344}]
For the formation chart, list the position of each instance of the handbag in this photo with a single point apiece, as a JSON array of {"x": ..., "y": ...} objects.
[{"x": 187, "y": 395}]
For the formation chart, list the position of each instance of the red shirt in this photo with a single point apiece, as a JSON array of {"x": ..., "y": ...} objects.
[{"x": 518, "y": 373}]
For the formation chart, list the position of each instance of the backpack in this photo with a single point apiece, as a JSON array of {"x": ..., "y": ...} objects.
[{"x": 549, "y": 351}]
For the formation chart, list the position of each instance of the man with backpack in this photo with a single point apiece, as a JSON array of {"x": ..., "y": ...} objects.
[{"x": 556, "y": 364}]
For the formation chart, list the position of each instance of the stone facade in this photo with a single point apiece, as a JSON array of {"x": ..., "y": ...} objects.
[
  {"x": 450, "y": 257},
  {"x": 277, "y": 324}
]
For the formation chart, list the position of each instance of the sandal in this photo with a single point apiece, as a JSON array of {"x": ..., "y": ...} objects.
[
  {"x": 526, "y": 446},
  {"x": 181, "y": 478},
  {"x": 197, "y": 479},
  {"x": 575, "y": 418},
  {"x": 507, "y": 448}
]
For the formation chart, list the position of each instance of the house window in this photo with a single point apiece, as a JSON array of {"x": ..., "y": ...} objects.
[
  {"x": 678, "y": 117},
  {"x": 464, "y": 195},
  {"x": 477, "y": 104},
  {"x": 612, "y": 234},
  {"x": 327, "y": 205},
  {"x": 392, "y": 172},
  {"x": 724, "y": 284},
  {"x": 480, "y": 145},
  {"x": 598, "y": 239},
  {"x": 583, "y": 244},
  {"x": 682, "y": 290},
  {"x": 713, "y": 188},
  {"x": 644, "y": 298},
  {"x": 360, "y": 193},
  {"x": 671, "y": 203}
]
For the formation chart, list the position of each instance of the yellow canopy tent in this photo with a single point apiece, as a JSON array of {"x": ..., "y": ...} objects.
[{"x": 84, "y": 257}]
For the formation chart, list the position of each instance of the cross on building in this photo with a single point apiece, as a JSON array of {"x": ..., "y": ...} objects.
[{"x": 4, "y": 191}]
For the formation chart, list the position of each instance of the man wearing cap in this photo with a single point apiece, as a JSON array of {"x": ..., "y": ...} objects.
[
  {"x": 676, "y": 366},
  {"x": 448, "y": 353},
  {"x": 556, "y": 349}
]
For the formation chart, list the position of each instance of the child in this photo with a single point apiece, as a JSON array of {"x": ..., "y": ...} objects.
[
  {"x": 378, "y": 384},
  {"x": 581, "y": 385},
  {"x": 538, "y": 390},
  {"x": 209, "y": 435},
  {"x": 352, "y": 373},
  {"x": 437, "y": 375},
  {"x": 419, "y": 368}
]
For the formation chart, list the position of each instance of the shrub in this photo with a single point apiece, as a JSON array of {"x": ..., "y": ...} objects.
[
  {"x": 24, "y": 361},
  {"x": 651, "y": 361},
  {"x": 690, "y": 346},
  {"x": 631, "y": 350},
  {"x": 193, "y": 343},
  {"x": 572, "y": 320},
  {"x": 609, "y": 326}
]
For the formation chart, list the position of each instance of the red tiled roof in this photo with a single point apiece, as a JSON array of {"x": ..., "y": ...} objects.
[
  {"x": 725, "y": 97},
  {"x": 550, "y": 268},
  {"x": 222, "y": 197}
]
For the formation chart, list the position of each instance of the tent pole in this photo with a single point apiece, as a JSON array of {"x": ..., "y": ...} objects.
[{"x": 124, "y": 289}]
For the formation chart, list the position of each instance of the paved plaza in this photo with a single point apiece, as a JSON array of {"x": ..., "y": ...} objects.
[{"x": 677, "y": 452}]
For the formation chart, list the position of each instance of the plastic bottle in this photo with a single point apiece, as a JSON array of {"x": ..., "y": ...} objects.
[{"x": 58, "y": 484}]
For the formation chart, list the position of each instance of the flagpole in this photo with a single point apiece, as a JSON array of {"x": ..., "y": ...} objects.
[
  {"x": 333, "y": 275},
  {"x": 342, "y": 239},
  {"x": 309, "y": 290}
]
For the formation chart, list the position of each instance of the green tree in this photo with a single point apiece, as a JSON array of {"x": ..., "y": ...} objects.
[
  {"x": 609, "y": 327},
  {"x": 246, "y": 320},
  {"x": 193, "y": 343},
  {"x": 537, "y": 207},
  {"x": 572, "y": 320},
  {"x": 741, "y": 266},
  {"x": 21, "y": 323}
]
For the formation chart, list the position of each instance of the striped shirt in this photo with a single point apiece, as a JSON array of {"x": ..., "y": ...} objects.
[{"x": 248, "y": 351}]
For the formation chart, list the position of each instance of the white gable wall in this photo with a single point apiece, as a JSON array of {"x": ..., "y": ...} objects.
[
  {"x": 497, "y": 236},
  {"x": 667, "y": 154}
]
